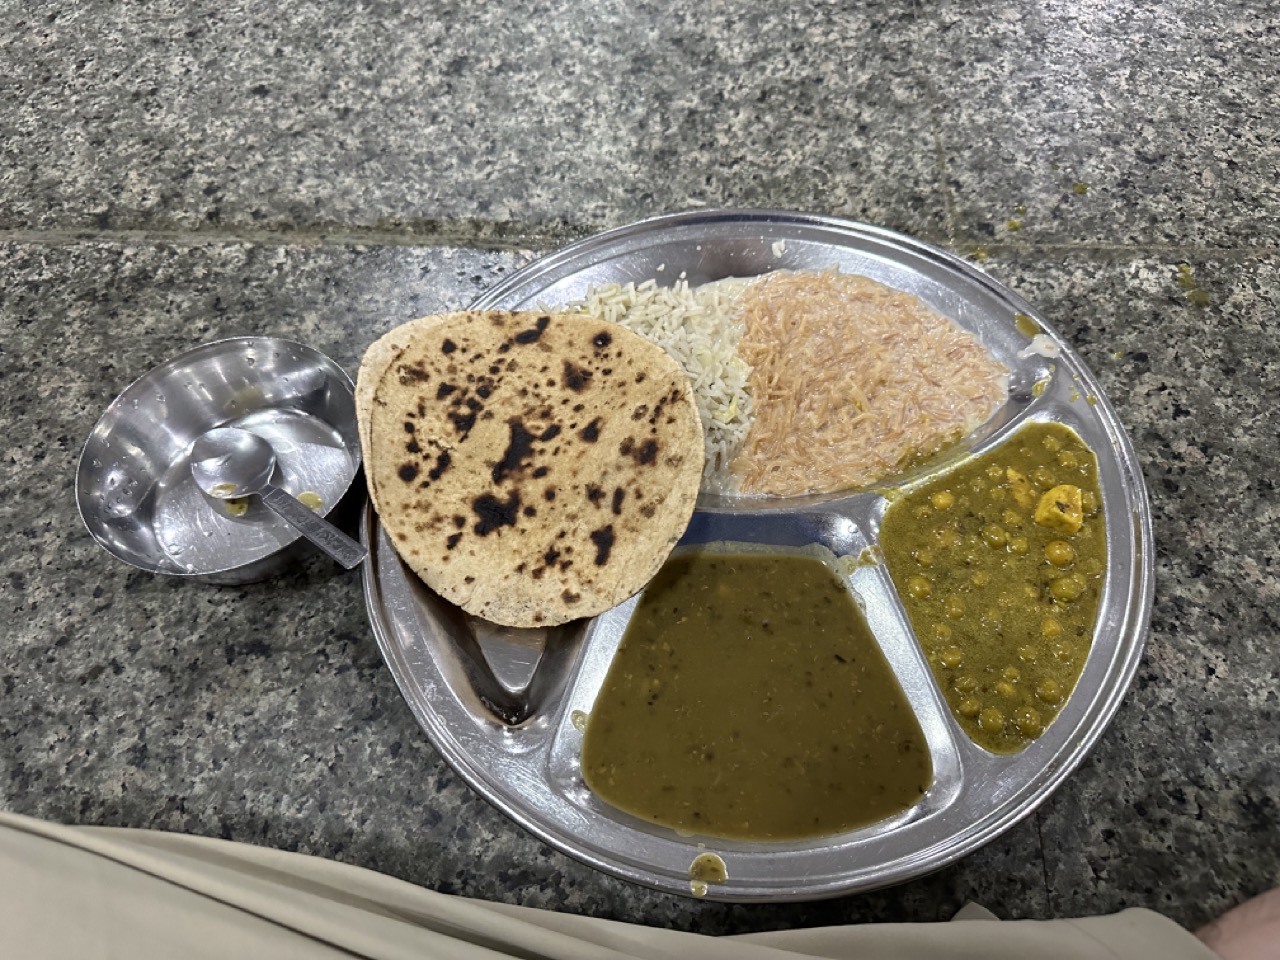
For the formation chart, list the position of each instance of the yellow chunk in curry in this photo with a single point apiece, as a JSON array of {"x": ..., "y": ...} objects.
[
  {"x": 749, "y": 700},
  {"x": 1002, "y": 585}
]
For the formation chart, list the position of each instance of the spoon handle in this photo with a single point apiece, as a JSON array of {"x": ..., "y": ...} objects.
[{"x": 315, "y": 528}]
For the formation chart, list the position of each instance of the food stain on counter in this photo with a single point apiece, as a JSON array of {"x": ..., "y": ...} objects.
[
  {"x": 707, "y": 868},
  {"x": 1195, "y": 294},
  {"x": 749, "y": 700},
  {"x": 1000, "y": 564}
]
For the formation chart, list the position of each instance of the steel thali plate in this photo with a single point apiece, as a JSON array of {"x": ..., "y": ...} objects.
[{"x": 506, "y": 708}]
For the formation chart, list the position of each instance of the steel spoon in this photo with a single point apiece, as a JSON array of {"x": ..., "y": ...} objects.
[{"x": 228, "y": 462}]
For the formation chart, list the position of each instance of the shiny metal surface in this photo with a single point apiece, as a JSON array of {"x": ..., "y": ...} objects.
[
  {"x": 518, "y": 740},
  {"x": 229, "y": 463},
  {"x": 134, "y": 485}
]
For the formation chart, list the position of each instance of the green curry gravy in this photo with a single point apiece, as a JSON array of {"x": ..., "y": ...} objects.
[
  {"x": 999, "y": 564},
  {"x": 749, "y": 700}
]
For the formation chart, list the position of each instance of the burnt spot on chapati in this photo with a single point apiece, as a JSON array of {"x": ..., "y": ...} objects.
[
  {"x": 463, "y": 422},
  {"x": 574, "y": 377},
  {"x": 443, "y": 460},
  {"x": 644, "y": 454},
  {"x": 529, "y": 512},
  {"x": 493, "y": 514},
  {"x": 541, "y": 472},
  {"x": 603, "y": 539},
  {"x": 408, "y": 472},
  {"x": 568, "y": 596},
  {"x": 452, "y": 541},
  {"x": 526, "y": 337},
  {"x": 412, "y": 447},
  {"x": 549, "y": 494},
  {"x": 594, "y": 494},
  {"x": 444, "y": 390},
  {"x": 448, "y": 347},
  {"x": 551, "y": 556},
  {"x": 459, "y": 521},
  {"x": 414, "y": 373},
  {"x": 591, "y": 432},
  {"x": 618, "y": 496},
  {"x": 408, "y": 426},
  {"x": 640, "y": 412}
]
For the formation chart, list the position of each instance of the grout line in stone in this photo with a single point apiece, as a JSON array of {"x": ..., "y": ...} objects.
[
  {"x": 506, "y": 237},
  {"x": 948, "y": 199},
  {"x": 1044, "y": 864},
  {"x": 496, "y": 237}
]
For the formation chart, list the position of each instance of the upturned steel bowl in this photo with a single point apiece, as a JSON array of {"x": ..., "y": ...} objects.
[{"x": 134, "y": 486}]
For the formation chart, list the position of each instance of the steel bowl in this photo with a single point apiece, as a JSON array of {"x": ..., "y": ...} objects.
[{"x": 134, "y": 486}]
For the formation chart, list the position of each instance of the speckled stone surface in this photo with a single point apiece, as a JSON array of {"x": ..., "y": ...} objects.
[
  {"x": 1117, "y": 123},
  {"x": 175, "y": 173},
  {"x": 564, "y": 115},
  {"x": 264, "y": 713}
]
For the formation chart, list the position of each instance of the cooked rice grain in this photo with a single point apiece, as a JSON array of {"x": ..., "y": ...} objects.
[{"x": 697, "y": 328}]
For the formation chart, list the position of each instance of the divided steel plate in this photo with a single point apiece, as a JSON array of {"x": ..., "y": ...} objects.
[{"x": 506, "y": 708}]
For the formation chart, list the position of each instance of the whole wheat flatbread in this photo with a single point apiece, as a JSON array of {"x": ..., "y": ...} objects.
[{"x": 532, "y": 468}]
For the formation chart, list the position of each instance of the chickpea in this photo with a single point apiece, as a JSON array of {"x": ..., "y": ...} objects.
[
  {"x": 994, "y": 535},
  {"x": 970, "y": 707},
  {"x": 1050, "y": 628},
  {"x": 1091, "y": 567},
  {"x": 1063, "y": 653},
  {"x": 1012, "y": 674},
  {"x": 1068, "y": 588},
  {"x": 1052, "y": 443},
  {"x": 997, "y": 494},
  {"x": 1029, "y": 722},
  {"x": 1006, "y": 689},
  {"x": 1049, "y": 691},
  {"x": 1028, "y": 654},
  {"x": 946, "y": 537},
  {"x": 1042, "y": 477},
  {"x": 1012, "y": 518},
  {"x": 923, "y": 513},
  {"x": 925, "y": 558},
  {"x": 980, "y": 578},
  {"x": 952, "y": 657},
  {"x": 1068, "y": 459},
  {"x": 1059, "y": 553},
  {"x": 953, "y": 607},
  {"x": 941, "y": 632},
  {"x": 943, "y": 500},
  {"x": 1088, "y": 502},
  {"x": 991, "y": 720},
  {"x": 920, "y": 588},
  {"x": 995, "y": 472},
  {"x": 1019, "y": 545},
  {"x": 965, "y": 684},
  {"x": 1030, "y": 591}
]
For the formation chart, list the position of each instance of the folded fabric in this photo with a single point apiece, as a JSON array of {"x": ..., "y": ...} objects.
[{"x": 105, "y": 892}]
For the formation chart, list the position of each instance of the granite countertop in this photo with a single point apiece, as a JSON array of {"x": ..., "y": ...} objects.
[{"x": 173, "y": 173}]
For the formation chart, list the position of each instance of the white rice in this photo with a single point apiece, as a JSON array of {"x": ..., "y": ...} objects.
[{"x": 697, "y": 328}]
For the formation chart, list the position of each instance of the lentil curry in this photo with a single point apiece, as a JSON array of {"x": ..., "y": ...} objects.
[
  {"x": 749, "y": 700},
  {"x": 999, "y": 564}
]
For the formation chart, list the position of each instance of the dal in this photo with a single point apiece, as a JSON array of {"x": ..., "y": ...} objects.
[{"x": 749, "y": 700}]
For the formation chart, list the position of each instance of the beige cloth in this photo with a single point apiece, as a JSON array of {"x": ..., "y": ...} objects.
[{"x": 95, "y": 892}]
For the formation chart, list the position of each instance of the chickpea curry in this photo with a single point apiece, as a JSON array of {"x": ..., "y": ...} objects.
[
  {"x": 749, "y": 700},
  {"x": 999, "y": 564}
]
